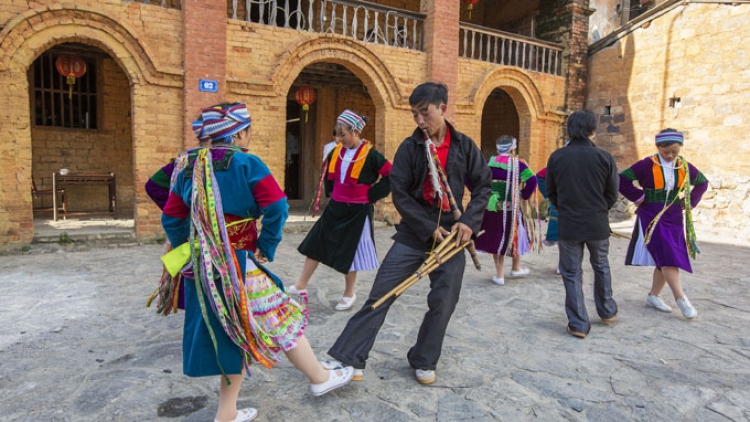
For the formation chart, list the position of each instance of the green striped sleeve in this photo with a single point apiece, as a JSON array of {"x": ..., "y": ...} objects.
[
  {"x": 526, "y": 174},
  {"x": 629, "y": 174},
  {"x": 700, "y": 178},
  {"x": 161, "y": 178}
]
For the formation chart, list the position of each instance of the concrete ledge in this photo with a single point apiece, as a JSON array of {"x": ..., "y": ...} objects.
[{"x": 72, "y": 236}]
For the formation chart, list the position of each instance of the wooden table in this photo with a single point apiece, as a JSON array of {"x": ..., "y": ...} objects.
[{"x": 62, "y": 181}]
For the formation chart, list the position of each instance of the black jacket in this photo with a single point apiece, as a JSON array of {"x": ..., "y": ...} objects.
[
  {"x": 465, "y": 166},
  {"x": 582, "y": 182}
]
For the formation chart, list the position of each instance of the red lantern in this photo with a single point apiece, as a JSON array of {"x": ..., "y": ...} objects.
[
  {"x": 71, "y": 67},
  {"x": 305, "y": 96},
  {"x": 471, "y": 4}
]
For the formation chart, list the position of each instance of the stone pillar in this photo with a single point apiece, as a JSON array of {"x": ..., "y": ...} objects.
[
  {"x": 204, "y": 57},
  {"x": 441, "y": 45},
  {"x": 577, "y": 54}
]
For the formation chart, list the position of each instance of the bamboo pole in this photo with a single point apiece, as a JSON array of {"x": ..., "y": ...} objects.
[
  {"x": 438, "y": 256},
  {"x": 432, "y": 266}
]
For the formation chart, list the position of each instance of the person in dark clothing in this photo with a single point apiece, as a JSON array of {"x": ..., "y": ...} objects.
[
  {"x": 426, "y": 220},
  {"x": 582, "y": 182}
]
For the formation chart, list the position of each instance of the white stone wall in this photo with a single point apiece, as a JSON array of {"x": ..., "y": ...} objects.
[
  {"x": 725, "y": 207},
  {"x": 687, "y": 69}
]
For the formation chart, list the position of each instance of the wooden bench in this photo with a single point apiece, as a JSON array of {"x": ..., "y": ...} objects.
[
  {"x": 63, "y": 181},
  {"x": 56, "y": 206}
]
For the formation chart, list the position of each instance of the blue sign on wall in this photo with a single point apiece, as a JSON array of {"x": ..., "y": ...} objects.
[{"x": 208, "y": 85}]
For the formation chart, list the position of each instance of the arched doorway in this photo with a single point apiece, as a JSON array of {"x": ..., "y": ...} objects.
[
  {"x": 337, "y": 89},
  {"x": 82, "y": 128},
  {"x": 499, "y": 117}
]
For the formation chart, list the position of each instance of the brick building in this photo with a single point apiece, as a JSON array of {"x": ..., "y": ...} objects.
[
  {"x": 685, "y": 65},
  {"x": 512, "y": 67}
]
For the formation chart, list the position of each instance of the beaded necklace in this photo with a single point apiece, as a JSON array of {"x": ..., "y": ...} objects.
[{"x": 343, "y": 153}]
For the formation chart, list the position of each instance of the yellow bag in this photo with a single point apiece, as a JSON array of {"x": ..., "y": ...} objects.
[{"x": 176, "y": 259}]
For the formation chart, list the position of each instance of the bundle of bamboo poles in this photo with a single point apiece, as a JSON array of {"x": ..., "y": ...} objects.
[{"x": 444, "y": 251}]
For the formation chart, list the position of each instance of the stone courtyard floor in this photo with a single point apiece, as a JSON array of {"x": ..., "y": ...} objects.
[{"x": 78, "y": 344}]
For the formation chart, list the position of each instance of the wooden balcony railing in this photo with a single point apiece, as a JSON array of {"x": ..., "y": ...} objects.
[
  {"x": 479, "y": 43},
  {"x": 377, "y": 24},
  {"x": 364, "y": 21}
]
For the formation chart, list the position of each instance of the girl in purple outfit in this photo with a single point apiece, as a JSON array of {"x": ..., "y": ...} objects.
[
  {"x": 505, "y": 232},
  {"x": 669, "y": 186}
]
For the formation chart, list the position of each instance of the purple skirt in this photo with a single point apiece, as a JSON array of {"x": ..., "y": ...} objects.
[
  {"x": 667, "y": 247},
  {"x": 495, "y": 233}
]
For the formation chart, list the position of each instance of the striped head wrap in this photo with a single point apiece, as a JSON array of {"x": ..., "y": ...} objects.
[
  {"x": 506, "y": 144},
  {"x": 221, "y": 122},
  {"x": 669, "y": 135},
  {"x": 351, "y": 119},
  {"x": 198, "y": 130}
]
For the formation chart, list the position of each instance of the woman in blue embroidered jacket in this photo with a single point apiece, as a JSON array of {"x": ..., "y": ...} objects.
[
  {"x": 235, "y": 309},
  {"x": 357, "y": 177}
]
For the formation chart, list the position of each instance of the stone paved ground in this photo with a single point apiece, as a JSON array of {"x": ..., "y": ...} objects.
[{"x": 77, "y": 344}]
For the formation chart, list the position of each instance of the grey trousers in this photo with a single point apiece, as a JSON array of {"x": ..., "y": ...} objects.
[
  {"x": 355, "y": 342},
  {"x": 571, "y": 257}
]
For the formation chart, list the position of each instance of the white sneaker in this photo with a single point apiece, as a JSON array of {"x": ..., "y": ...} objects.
[
  {"x": 292, "y": 290},
  {"x": 334, "y": 381},
  {"x": 658, "y": 303},
  {"x": 557, "y": 270},
  {"x": 498, "y": 280},
  {"x": 345, "y": 303},
  {"x": 425, "y": 376},
  {"x": 244, "y": 415},
  {"x": 359, "y": 374},
  {"x": 523, "y": 272},
  {"x": 687, "y": 309}
]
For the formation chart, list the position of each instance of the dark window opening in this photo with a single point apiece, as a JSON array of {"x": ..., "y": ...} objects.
[{"x": 53, "y": 101}]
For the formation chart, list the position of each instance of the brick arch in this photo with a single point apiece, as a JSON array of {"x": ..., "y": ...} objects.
[
  {"x": 517, "y": 84},
  {"x": 528, "y": 103},
  {"x": 23, "y": 40},
  {"x": 33, "y": 32},
  {"x": 360, "y": 61}
]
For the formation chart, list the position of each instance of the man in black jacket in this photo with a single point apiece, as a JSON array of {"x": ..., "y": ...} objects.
[
  {"x": 582, "y": 182},
  {"x": 425, "y": 220}
]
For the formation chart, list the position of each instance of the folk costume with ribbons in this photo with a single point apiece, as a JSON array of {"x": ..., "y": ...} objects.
[
  {"x": 170, "y": 293},
  {"x": 355, "y": 179},
  {"x": 235, "y": 309},
  {"x": 506, "y": 231},
  {"x": 661, "y": 237}
]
